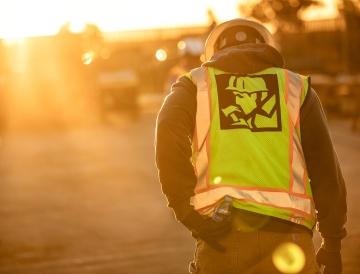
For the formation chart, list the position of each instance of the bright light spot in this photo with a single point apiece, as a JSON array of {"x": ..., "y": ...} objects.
[
  {"x": 161, "y": 55},
  {"x": 88, "y": 57},
  {"x": 10, "y": 41},
  {"x": 327, "y": 9},
  {"x": 289, "y": 258},
  {"x": 77, "y": 26},
  {"x": 217, "y": 180},
  {"x": 181, "y": 45},
  {"x": 44, "y": 17}
]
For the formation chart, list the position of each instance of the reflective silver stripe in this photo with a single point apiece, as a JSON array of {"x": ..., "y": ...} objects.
[
  {"x": 202, "y": 127},
  {"x": 298, "y": 166},
  {"x": 271, "y": 198},
  {"x": 294, "y": 88}
]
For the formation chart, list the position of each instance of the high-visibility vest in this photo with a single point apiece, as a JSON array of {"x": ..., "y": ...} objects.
[{"x": 247, "y": 143}]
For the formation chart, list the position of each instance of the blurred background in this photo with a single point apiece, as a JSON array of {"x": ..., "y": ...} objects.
[{"x": 80, "y": 85}]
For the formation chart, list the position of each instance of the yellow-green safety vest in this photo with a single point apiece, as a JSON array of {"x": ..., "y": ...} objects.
[{"x": 247, "y": 143}]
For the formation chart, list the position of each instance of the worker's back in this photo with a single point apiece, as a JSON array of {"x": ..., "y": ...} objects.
[{"x": 258, "y": 133}]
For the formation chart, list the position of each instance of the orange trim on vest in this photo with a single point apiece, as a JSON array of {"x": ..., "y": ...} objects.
[
  {"x": 294, "y": 210},
  {"x": 267, "y": 189},
  {"x": 202, "y": 149},
  {"x": 208, "y": 150}
]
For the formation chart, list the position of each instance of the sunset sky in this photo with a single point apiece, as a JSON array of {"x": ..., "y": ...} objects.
[{"x": 21, "y": 18}]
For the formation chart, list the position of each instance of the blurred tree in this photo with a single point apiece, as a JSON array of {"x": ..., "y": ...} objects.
[
  {"x": 93, "y": 39},
  {"x": 283, "y": 14},
  {"x": 77, "y": 59},
  {"x": 90, "y": 37},
  {"x": 350, "y": 10}
]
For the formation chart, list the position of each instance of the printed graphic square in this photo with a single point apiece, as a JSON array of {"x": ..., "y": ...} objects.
[{"x": 249, "y": 102}]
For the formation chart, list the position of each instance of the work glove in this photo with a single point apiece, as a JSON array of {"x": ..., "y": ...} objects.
[
  {"x": 207, "y": 229},
  {"x": 329, "y": 256}
]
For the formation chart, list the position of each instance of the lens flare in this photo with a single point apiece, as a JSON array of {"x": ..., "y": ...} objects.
[
  {"x": 217, "y": 180},
  {"x": 181, "y": 45},
  {"x": 77, "y": 26},
  {"x": 161, "y": 55},
  {"x": 88, "y": 57},
  {"x": 289, "y": 258}
]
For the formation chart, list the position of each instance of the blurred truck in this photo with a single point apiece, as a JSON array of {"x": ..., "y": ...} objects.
[
  {"x": 118, "y": 85},
  {"x": 118, "y": 91}
]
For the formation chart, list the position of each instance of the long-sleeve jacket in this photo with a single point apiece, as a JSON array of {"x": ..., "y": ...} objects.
[{"x": 176, "y": 123}]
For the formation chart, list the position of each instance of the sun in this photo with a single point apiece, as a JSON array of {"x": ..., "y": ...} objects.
[
  {"x": 19, "y": 19},
  {"x": 23, "y": 18}
]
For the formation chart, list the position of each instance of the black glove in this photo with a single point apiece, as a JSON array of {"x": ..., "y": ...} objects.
[
  {"x": 329, "y": 256},
  {"x": 207, "y": 229}
]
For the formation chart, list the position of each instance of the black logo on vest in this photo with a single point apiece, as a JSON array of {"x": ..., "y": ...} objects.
[{"x": 249, "y": 102}]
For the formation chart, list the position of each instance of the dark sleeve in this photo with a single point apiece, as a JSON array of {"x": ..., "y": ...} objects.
[
  {"x": 174, "y": 130},
  {"x": 327, "y": 182}
]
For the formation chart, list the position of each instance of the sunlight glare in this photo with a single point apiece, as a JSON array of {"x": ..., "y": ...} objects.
[
  {"x": 217, "y": 180},
  {"x": 289, "y": 258},
  {"x": 161, "y": 55},
  {"x": 88, "y": 57},
  {"x": 20, "y": 18},
  {"x": 77, "y": 26},
  {"x": 181, "y": 45},
  {"x": 328, "y": 9},
  {"x": 11, "y": 41}
]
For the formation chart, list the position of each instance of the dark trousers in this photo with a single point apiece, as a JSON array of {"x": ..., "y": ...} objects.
[{"x": 252, "y": 250}]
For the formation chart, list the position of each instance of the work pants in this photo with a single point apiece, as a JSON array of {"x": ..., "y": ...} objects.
[{"x": 254, "y": 251}]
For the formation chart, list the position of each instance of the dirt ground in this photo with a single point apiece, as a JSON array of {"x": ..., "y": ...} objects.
[{"x": 88, "y": 201}]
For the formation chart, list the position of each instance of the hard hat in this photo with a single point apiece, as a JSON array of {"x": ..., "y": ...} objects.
[
  {"x": 236, "y": 31},
  {"x": 246, "y": 84}
]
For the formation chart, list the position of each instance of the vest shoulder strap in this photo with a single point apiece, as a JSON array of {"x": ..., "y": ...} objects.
[
  {"x": 296, "y": 89},
  {"x": 199, "y": 77}
]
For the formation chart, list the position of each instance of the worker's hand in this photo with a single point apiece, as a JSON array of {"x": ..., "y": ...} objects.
[
  {"x": 207, "y": 229},
  {"x": 330, "y": 258}
]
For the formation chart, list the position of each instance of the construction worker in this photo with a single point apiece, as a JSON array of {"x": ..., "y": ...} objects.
[{"x": 245, "y": 135}]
